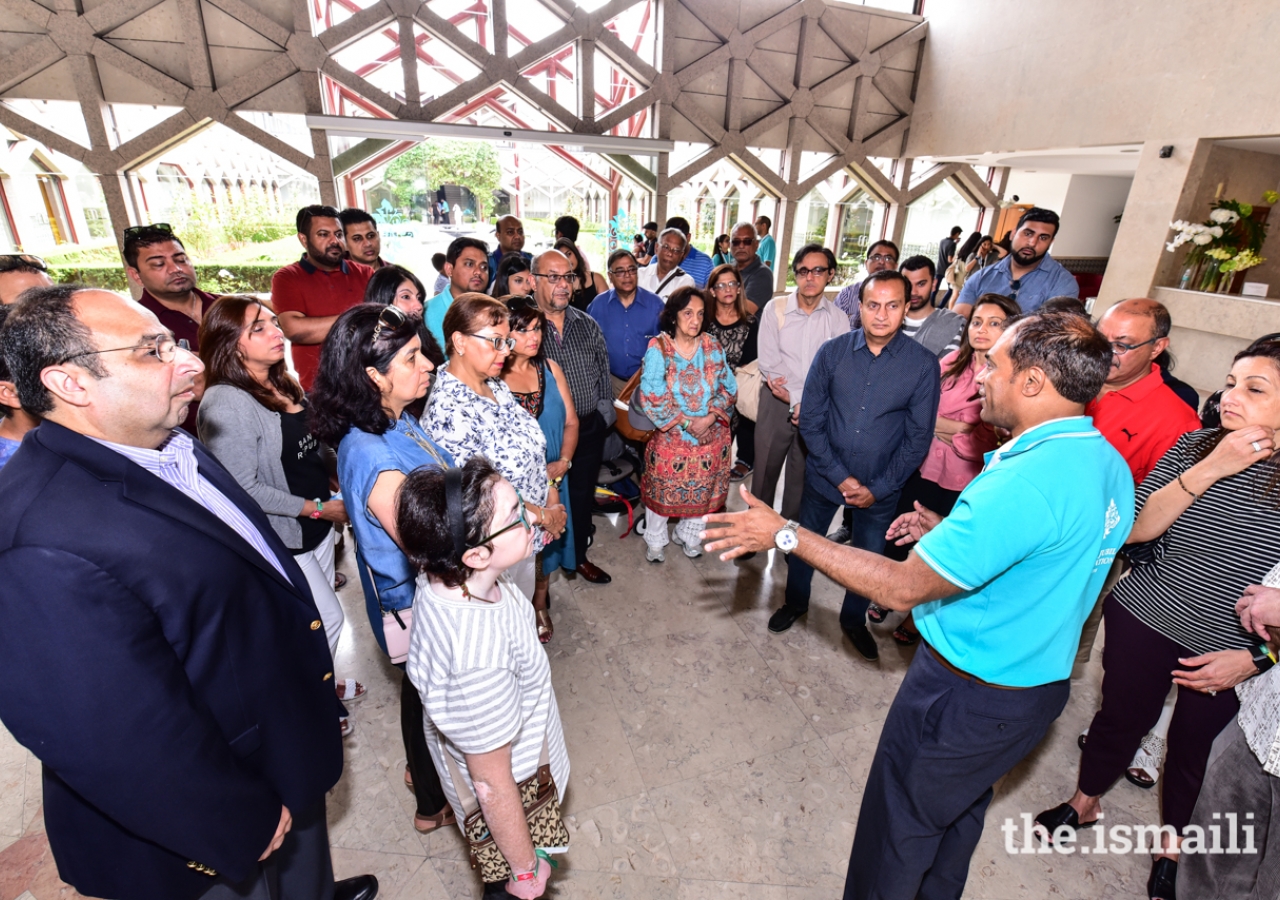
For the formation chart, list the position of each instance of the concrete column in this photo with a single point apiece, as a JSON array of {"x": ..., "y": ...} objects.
[
  {"x": 783, "y": 231},
  {"x": 1138, "y": 257}
]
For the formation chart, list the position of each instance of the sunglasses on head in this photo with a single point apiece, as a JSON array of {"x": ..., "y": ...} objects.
[
  {"x": 11, "y": 262},
  {"x": 157, "y": 228},
  {"x": 391, "y": 318}
]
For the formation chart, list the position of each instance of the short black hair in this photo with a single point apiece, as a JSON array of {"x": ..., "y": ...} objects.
[
  {"x": 568, "y": 227},
  {"x": 918, "y": 262},
  {"x": 956, "y": 229},
  {"x": 897, "y": 254},
  {"x": 423, "y": 521},
  {"x": 650, "y": 226},
  {"x": 343, "y": 396},
  {"x": 352, "y": 216},
  {"x": 617, "y": 255},
  {"x": 814, "y": 248},
  {"x": 678, "y": 222},
  {"x": 512, "y": 264},
  {"x": 459, "y": 244},
  {"x": 384, "y": 283},
  {"x": 889, "y": 276},
  {"x": 1063, "y": 303},
  {"x": 136, "y": 240},
  {"x": 1073, "y": 354},
  {"x": 42, "y": 330},
  {"x": 768, "y": 223},
  {"x": 679, "y": 299},
  {"x": 315, "y": 211},
  {"x": 5, "y": 309},
  {"x": 1038, "y": 214}
]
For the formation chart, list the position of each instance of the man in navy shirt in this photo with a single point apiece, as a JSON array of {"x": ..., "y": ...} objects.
[
  {"x": 628, "y": 315},
  {"x": 1028, "y": 274},
  {"x": 870, "y": 406}
]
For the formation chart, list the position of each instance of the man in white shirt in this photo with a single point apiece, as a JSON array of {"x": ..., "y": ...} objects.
[
  {"x": 665, "y": 276},
  {"x": 788, "y": 344}
]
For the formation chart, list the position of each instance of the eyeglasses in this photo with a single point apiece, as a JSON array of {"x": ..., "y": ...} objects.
[
  {"x": 727, "y": 286},
  {"x": 391, "y": 317},
  {"x": 624, "y": 270},
  {"x": 554, "y": 278},
  {"x": 816, "y": 271},
  {"x": 522, "y": 520},
  {"x": 883, "y": 258},
  {"x": 134, "y": 230},
  {"x": 498, "y": 342},
  {"x": 163, "y": 348},
  {"x": 739, "y": 242},
  {"x": 10, "y": 262},
  {"x": 667, "y": 248},
  {"x": 1119, "y": 348}
]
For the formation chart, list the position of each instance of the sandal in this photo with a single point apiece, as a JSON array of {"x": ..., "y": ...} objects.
[
  {"x": 408, "y": 777},
  {"x": 905, "y": 636},
  {"x": 1082, "y": 739},
  {"x": 346, "y": 725},
  {"x": 339, "y": 581},
  {"x": 739, "y": 471},
  {"x": 1049, "y": 821},
  {"x": 545, "y": 628},
  {"x": 1162, "y": 883},
  {"x": 428, "y": 824},
  {"x": 876, "y": 614},
  {"x": 1144, "y": 771},
  {"x": 349, "y": 690}
]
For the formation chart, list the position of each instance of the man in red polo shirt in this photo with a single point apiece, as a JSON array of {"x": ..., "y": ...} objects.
[
  {"x": 156, "y": 261},
  {"x": 310, "y": 294}
]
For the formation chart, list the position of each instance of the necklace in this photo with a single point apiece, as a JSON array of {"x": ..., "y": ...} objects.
[{"x": 413, "y": 435}]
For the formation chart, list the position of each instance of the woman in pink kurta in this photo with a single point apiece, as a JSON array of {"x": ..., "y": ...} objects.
[{"x": 961, "y": 439}]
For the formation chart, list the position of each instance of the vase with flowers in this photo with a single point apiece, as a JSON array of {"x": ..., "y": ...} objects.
[{"x": 1227, "y": 243}]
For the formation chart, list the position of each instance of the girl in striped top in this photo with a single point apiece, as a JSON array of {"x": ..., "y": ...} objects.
[{"x": 1209, "y": 525}]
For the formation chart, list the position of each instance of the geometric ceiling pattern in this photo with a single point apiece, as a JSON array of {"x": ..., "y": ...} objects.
[{"x": 825, "y": 85}]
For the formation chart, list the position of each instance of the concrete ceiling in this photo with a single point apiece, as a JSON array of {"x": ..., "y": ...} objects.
[{"x": 1116, "y": 159}]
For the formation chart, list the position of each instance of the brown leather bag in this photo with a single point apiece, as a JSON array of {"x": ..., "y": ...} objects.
[{"x": 623, "y": 405}]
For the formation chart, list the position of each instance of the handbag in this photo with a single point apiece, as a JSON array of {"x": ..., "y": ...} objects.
[
  {"x": 627, "y": 423},
  {"x": 541, "y": 802}
]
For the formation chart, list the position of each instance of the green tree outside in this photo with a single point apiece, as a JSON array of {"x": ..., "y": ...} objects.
[{"x": 469, "y": 164}]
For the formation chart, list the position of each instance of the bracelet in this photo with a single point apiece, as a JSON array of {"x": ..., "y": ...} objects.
[
  {"x": 319, "y": 508},
  {"x": 1194, "y": 496}
]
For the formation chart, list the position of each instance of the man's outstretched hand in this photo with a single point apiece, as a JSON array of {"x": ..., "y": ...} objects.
[
  {"x": 910, "y": 527},
  {"x": 748, "y": 531}
]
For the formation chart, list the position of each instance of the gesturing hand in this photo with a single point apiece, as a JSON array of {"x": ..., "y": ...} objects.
[
  {"x": 910, "y": 527},
  {"x": 748, "y": 531},
  {"x": 286, "y": 822}
]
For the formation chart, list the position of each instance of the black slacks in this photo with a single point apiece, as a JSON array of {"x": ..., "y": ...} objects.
[
  {"x": 300, "y": 870},
  {"x": 582, "y": 479}
]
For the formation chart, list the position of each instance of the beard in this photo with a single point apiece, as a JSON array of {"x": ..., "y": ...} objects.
[{"x": 1028, "y": 257}]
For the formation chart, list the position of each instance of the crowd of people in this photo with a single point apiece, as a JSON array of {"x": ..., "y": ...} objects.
[{"x": 1006, "y": 473}]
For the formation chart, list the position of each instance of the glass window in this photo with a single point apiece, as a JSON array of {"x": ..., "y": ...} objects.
[{"x": 931, "y": 218}]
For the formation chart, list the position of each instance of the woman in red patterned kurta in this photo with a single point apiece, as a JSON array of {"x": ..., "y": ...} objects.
[{"x": 688, "y": 391}]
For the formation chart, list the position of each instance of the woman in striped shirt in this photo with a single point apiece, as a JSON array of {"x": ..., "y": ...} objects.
[{"x": 1209, "y": 525}]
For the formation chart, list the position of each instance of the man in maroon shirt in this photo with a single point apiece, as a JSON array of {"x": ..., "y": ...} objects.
[
  {"x": 156, "y": 261},
  {"x": 310, "y": 294}
]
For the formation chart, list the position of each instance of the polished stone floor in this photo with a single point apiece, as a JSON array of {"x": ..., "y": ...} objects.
[{"x": 710, "y": 758}]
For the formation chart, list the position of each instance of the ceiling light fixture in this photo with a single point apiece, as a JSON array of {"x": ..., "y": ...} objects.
[{"x": 405, "y": 130}]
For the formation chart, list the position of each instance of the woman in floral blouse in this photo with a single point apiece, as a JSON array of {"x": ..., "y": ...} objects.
[
  {"x": 472, "y": 413},
  {"x": 688, "y": 391}
]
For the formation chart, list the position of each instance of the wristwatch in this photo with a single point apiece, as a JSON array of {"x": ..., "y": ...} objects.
[
  {"x": 1263, "y": 657},
  {"x": 785, "y": 538},
  {"x": 568, "y": 463}
]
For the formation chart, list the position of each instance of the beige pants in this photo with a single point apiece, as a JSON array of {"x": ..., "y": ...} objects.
[
  {"x": 618, "y": 385},
  {"x": 1090, "y": 631}
]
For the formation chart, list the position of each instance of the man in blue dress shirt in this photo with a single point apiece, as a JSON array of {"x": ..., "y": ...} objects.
[
  {"x": 628, "y": 315},
  {"x": 1028, "y": 274},
  {"x": 870, "y": 406},
  {"x": 1000, "y": 589}
]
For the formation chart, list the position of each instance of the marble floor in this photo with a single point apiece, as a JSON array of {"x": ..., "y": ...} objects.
[{"x": 710, "y": 758}]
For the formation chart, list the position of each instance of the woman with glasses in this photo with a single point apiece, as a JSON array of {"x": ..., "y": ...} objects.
[
  {"x": 688, "y": 391},
  {"x": 737, "y": 331},
  {"x": 492, "y": 718},
  {"x": 396, "y": 286},
  {"x": 589, "y": 283},
  {"x": 539, "y": 385},
  {"x": 254, "y": 419},
  {"x": 515, "y": 276},
  {"x": 371, "y": 369},
  {"x": 472, "y": 413}
]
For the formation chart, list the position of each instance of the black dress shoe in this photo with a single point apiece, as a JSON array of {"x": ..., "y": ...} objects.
[
  {"x": 863, "y": 642},
  {"x": 593, "y": 573},
  {"x": 840, "y": 536},
  {"x": 1162, "y": 884},
  {"x": 362, "y": 887},
  {"x": 783, "y": 619}
]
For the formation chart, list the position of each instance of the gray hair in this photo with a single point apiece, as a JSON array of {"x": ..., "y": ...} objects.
[
  {"x": 747, "y": 225},
  {"x": 43, "y": 331},
  {"x": 684, "y": 241}
]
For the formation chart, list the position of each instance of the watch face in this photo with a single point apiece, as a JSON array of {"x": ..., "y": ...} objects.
[{"x": 786, "y": 540}]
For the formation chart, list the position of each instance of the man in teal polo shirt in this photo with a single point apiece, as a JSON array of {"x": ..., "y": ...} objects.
[
  {"x": 466, "y": 265},
  {"x": 1000, "y": 590}
]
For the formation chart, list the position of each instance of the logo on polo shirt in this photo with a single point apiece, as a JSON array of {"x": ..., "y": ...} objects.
[{"x": 1113, "y": 518}]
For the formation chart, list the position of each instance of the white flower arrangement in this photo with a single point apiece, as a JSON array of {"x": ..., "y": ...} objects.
[{"x": 1224, "y": 217}]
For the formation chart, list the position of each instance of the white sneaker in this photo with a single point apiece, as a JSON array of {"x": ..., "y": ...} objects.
[
  {"x": 692, "y": 552},
  {"x": 654, "y": 554}
]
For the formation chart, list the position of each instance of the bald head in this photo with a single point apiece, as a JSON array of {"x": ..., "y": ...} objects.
[
  {"x": 510, "y": 233},
  {"x": 1146, "y": 308},
  {"x": 553, "y": 299},
  {"x": 1138, "y": 330}
]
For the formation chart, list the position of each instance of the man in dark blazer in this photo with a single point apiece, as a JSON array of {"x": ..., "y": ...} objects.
[{"x": 172, "y": 673}]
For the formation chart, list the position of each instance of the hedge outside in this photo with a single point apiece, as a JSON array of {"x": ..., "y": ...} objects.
[{"x": 243, "y": 279}]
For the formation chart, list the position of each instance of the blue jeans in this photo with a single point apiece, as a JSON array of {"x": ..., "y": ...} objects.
[
  {"x": 945, "y": 742},
  {"x": 869, "y": 526}
]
